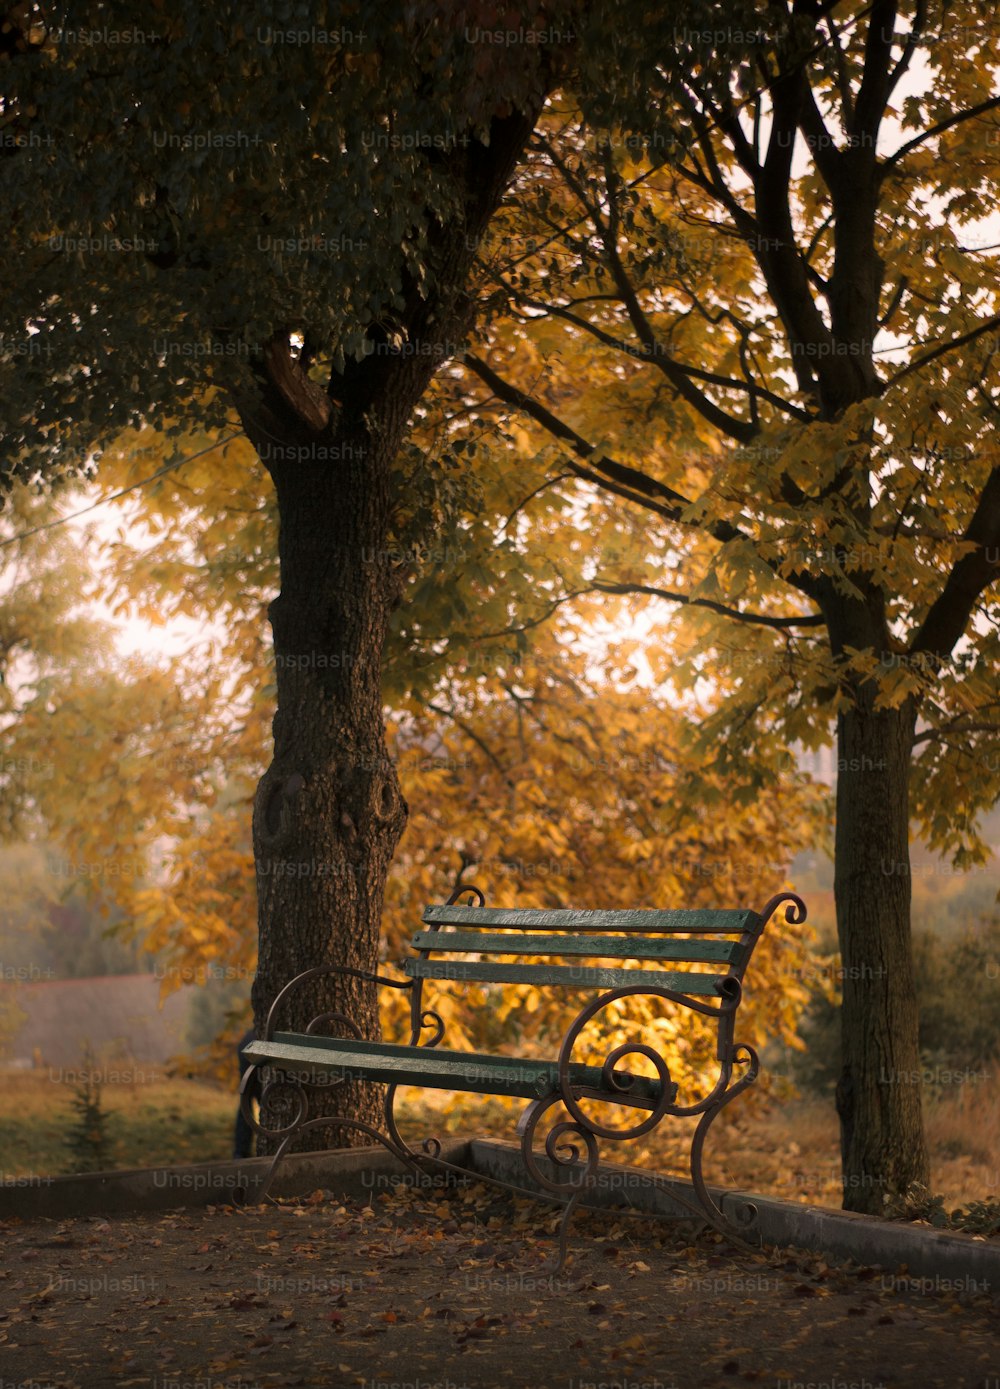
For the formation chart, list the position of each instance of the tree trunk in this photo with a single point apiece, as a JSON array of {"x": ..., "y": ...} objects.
[
  {"x": 878, "y": 1095},
  {"x": 329, "y": 811}
]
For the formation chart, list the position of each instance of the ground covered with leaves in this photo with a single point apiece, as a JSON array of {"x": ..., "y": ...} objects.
[{"x": 447, "y": 1288}]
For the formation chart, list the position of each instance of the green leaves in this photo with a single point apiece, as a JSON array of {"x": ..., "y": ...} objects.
[{"x": 190, "y": 181}]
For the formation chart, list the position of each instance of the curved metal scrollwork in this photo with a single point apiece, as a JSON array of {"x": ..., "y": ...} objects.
[
  {"x": 461, "y": 890},
  {"x": 428, "y": 1018},
  {"x": 795, "y": 912},
  {"x": 248, "y": 1087},
  {"x": 316, "y": 973},
  {"x": 753, "y": 1064},
  {"x": 747, "y": 1212},
  {"x": 619, "y": 1084},
  {"x": 565, "y": 1156}
]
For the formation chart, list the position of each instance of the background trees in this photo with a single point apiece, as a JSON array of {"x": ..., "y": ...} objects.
[{"x": 753, "y": 331}]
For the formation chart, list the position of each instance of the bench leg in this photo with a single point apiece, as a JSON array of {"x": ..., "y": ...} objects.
[
  {"x": 748, "y": 1212},
  {"x": 337, "y": 1123},
  {"x": 302, "y": 1122},
  {"x": 565, "y": 1157}
]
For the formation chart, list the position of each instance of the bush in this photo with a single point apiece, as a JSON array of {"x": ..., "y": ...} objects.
[{"x": 958, "y": 992}]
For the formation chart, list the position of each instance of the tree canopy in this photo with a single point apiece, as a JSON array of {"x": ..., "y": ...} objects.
[{"x": 182, "y": 184}]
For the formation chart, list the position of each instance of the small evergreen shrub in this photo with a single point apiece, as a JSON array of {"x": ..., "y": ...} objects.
[{"x": 89, "y": 1142}]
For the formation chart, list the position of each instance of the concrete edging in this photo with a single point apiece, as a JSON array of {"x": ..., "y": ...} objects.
[
  {"x": 944, "y": 1260},
  {"x": 355, "y": 1172}
]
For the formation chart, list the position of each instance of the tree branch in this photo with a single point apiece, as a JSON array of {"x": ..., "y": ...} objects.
[
  {"x": 309, "y": 402},
  {"x": 469, "y": 733},
  {"x": 784, "y": 269},
  {"x": 599, "y": 467},
  {"x": 827, "y": 158},
  {"x": 956, "y": 119},
  {"x": 912, "y": 39},
  {"x": 894, "y": 303},
  {"x": 714, "y": 182},
  {"x": 939, "y": 735},
  {"x": 743, "y": 431},
  {"x": 972, "y": 575},
  {"x": 535, "y": 621},
  {"x": 549, "y": 482},
  {"x": 942, "y": 348},
  {"x": 685, "y": 600},
  {"x": 640, "y": 354},
  {"x": 727, "y": 120},
  {"x": 874, "y": 91},
  {"x": 843, "y": 76}
]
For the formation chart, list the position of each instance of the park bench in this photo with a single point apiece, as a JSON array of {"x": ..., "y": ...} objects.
[{"x": 477, "y": 944}]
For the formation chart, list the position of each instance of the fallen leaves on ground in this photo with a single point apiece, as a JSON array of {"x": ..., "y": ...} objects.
[{"x": 419, "y": 1280}]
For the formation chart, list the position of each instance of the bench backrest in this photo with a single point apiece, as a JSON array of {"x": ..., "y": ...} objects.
[{"x": 721, "y": 940}]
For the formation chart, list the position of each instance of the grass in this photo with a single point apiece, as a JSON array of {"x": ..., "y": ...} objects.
[
  {"x": 151, "y": 1122},
  {"x": 786, "y": 1148}
]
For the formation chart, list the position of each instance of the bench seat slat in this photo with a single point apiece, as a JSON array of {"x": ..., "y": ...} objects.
[
  {"x": 570, "y": 919},
  {"x": 435, "y": 1069},
  {"x": 615, "y": 947},
  {"x": 573, "y": 976}
]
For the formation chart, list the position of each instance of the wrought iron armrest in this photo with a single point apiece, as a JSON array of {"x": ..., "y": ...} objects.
[
  {"x": 299, "y": 1121},
  {"x": 795, "y": 912},
  {"x": 315, "y": 973},
  {"x": 418, "y": 1020},
  {"x": 251, "y": 1085}
]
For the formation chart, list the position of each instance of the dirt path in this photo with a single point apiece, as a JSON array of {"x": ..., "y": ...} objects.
[{"x": 447, "y": 1291}]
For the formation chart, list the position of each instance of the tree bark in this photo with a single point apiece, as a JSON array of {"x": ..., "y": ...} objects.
[
  {"x": 878, "y": 1094},
  {"x": 329, "y": 811}
]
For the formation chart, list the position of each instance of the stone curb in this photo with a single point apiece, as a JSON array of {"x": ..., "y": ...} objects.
[
  {"x": 935, "y": 1260},
  {"x": 355, "y": 1172}
]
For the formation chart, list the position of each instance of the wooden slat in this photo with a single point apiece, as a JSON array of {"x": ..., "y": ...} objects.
[
  {"x": 569, "y": 919},
  {"x": 572, "y": 976},
  {"x": 614, "y": 947},
  {"x": 362, "y": 1048},
  {"x": 428, "y": 1067}
]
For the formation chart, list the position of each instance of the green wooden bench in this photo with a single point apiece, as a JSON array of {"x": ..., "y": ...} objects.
[{"x": 694, "y": 958}]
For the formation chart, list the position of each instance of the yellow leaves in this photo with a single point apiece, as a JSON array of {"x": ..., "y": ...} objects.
[
  {"x": 896, "y": 686},
  {"x": 523, "y": 441}
]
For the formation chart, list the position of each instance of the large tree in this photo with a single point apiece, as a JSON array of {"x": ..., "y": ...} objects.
[
  {"x": 266, "y": 215},
  {"x": 756, "y": 334}
]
